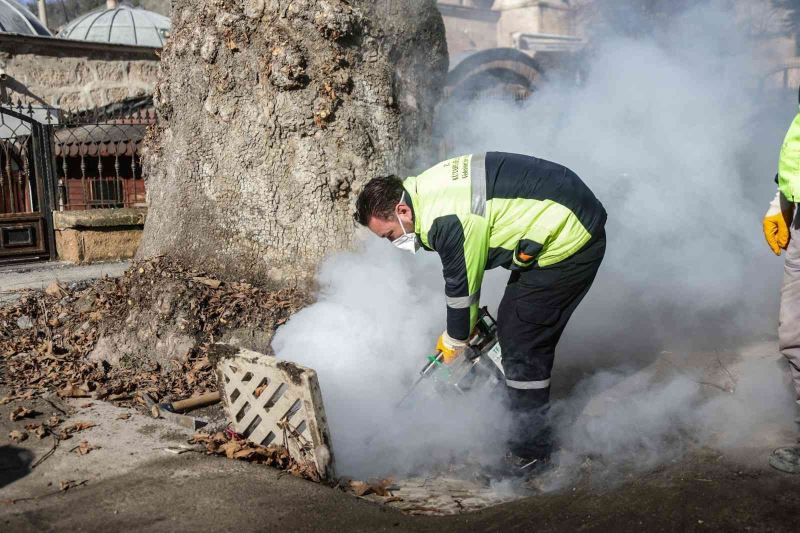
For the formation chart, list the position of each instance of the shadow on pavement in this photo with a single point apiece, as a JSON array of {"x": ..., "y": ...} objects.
[{"x": 15, "y": 463}]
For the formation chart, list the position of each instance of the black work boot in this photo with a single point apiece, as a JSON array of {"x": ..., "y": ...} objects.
[
  {"x": 529, "y": 452},
  {"x": 517, "y": 466},
  {"x": 786, "y": 459},
  {"x": 514, "y": 467}
]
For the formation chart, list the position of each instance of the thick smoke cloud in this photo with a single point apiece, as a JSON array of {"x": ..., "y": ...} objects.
[
  {"x": 377, "y": 317},
  {"x": 675, "y": 138}
]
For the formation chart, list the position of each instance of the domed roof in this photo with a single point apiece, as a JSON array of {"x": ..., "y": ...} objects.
[
  {"x": 14, "y": 18},
  {"x": 121, "y": 25}
]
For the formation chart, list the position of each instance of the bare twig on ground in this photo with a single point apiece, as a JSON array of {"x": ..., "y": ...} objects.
[
  {"x": 46, "y": 456},
  {"x": 64, "y": 410},
  {"x": 70, "y": 485},
  {"x": 725, "y": 368}
]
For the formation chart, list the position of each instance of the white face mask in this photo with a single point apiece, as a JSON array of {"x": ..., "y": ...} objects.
[{"x": 407, "y": 241}]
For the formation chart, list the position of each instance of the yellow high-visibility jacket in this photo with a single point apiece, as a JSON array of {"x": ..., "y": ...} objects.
[
  {"x": 493, "y": 209},
  {"x": 789, "y": 163}
]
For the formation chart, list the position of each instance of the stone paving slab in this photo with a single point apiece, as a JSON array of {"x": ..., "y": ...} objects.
[{"x": 445, "y": 495}]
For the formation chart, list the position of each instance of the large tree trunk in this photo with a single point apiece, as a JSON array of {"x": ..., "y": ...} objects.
[{"x": 273, "y": 113}]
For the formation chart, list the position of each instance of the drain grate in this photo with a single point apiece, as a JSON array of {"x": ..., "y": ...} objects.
[{"x": 270, "y": 401}]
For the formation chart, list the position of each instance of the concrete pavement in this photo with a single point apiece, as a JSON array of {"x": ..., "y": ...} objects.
[
  {"x": 39, "y": 275},
  {"x": 133, "y": 483}
]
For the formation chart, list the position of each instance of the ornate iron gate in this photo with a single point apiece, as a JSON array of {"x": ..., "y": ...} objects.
[{"x": 26, "y": 160}]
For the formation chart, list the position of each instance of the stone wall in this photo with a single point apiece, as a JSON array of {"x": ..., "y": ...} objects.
[
  {"x": 468, "y": 28},
  {"x": 98, "y": 234},
  {"x": 532, "y": 16},
  {"x": 74, "y": 74},
  {"x": 474, "y": 25}
]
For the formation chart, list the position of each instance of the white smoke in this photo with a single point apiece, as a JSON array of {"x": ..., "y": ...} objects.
[
  {"x": 377, "y": 317},
  {"x": 677, "y": 142}
]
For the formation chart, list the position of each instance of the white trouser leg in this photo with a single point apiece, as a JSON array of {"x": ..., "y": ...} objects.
[{"x": 789, "y": 320}]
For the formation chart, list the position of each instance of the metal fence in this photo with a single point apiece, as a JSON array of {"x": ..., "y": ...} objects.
[
  {"x": 97, "y": 157},
  {"x": 95, "y": 154},
  {"x": 25, "y": 199},
  {"x": 50, "y": 161}
]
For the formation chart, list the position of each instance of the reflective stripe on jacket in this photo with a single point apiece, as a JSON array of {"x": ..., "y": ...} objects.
[
  {"x": 789, "y": 163},
  {"x": 482, "y": 211}
]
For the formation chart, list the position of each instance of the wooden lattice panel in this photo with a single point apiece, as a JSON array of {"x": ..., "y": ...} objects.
[{"x": 270, "y": 401}]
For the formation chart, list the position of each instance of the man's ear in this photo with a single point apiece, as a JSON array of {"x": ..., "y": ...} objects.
[{"x": 403, "y": 209}]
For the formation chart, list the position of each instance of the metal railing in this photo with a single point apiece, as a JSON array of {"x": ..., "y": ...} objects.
[
  {"x": 25, "y": 201},
  {"x": 96, "y": 154},
  {"x": 98, "y": 157}
]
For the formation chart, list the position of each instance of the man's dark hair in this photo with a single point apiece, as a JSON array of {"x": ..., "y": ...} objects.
[{"x": 378, "y": 198}]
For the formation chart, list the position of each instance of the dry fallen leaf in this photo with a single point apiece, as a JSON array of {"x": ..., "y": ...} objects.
[
  {"x": 66, "y": 484},
  {"x": 79, "y": 426},
  {"x": 245, "y": 453},
  {"x": 73, "y": 391},
  {"x": 86, "y": 405},
  {"x": 17, "y": 436},
  {"x": 360, "y": 488},
  {"x": 54, "y": 289},
  {"x": 381, "y": 487},
  {"x": 19, "y": 413},
  {"x": 201, "y": 364},
  {"x": 84, "y": 448},
  {"x": 123, "y": 416},
  {"x": 41, "y": 432},
  {"x": 8, "y": 399},
  {"x": 230, "y": 448},
  {"x": 53, "y": 421},
  {"x": 75, "y": 427},
  {"x": 213, "y": 283},
  {"x": 118, "y": 397}
]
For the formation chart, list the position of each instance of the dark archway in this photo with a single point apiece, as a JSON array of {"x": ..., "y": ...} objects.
[{"x": 501, "y": 72}]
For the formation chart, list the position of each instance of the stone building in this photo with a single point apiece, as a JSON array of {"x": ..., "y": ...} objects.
[
  {"x": 15, "y": 18},
  {"x": 530, "y": 25},
  {"x": 92, "y": 85},
  {"x": 119, "y": 24},
  {"x": 502, "y": 47},
  {"x": 551, "y": 31},
  {"x": 88, "y": 69},
  {"x": 74, "y": 109}
]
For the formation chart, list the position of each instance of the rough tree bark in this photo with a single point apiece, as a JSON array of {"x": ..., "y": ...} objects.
[{"x": 272, "y": 115}]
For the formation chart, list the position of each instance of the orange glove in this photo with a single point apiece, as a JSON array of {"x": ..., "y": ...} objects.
[
  {"x": 450, "y": 347},
  {"x": 776, "y": 229}
]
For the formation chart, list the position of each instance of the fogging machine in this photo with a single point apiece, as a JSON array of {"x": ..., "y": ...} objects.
[{"x": 478, "y": 367}]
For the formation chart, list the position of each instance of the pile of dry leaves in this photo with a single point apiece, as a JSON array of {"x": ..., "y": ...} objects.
[
  {"x": 234, "y": 446},
  {"x": 48, "y": 340},
  {"x": 46, "y": 336}
]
